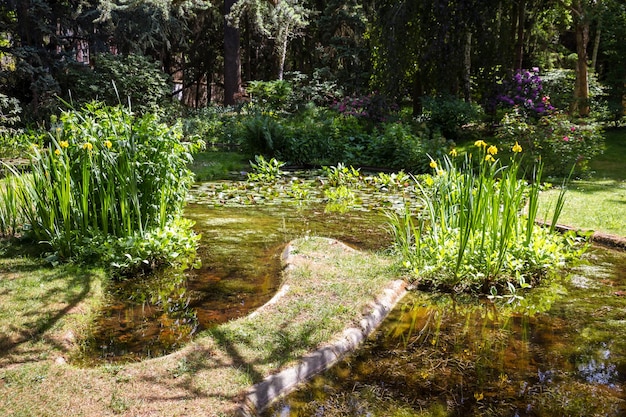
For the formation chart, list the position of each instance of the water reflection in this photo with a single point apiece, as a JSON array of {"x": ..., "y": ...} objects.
[
  {"x": 240, "y": 250},
  {"x": 562, "y": 351}
]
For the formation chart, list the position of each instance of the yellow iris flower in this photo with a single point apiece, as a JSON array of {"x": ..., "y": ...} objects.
[{"x": 517, "y": 148}]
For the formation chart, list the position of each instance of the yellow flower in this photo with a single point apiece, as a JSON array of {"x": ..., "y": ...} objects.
[
  {"x": 64, "y": 144},
  {"x": 57, "y": 152},
  {"x": 480, "y": 143},
  {"x": 479, "y": 396},
  {"x": 108, "y": 144},
  {"x": 489, "y": 158},
  {"x": 433, "y": 164},
  {"x": 517, "y": 148},
  {"x": 492, "y": 150},
  {"x": 87, "y": 146},
  {"x": 453, "y": 152}
]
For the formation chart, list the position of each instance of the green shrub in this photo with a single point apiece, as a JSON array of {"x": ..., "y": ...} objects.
[
  {"x": 12, "y": 143},
  {"x": 560, "y": 143},
  {"x": 106, "y": 174},
  {"x": 450, "y": 114},
  {"x": 270, "y": 95},
  {"x": 119, "y": 78},
  {"x": 317, "y": 90},
  {"x": 261, "y": 133},
  {"x": 405, "y": 146},
  {"x": 215, "y": 125},
  {"x": 558, "y": 85}
]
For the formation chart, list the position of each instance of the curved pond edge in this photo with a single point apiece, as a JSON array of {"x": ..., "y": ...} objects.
[{"x": 263, "y": 394}]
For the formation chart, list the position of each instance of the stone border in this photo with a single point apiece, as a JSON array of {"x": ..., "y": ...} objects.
[
  {"x": 264, "y": 393},
  {"x": 604, "y": 239}
]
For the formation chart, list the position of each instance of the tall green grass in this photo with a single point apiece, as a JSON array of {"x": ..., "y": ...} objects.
[
  {"x": 104, "y": 173},
  {"x": 473, "y": 234}
]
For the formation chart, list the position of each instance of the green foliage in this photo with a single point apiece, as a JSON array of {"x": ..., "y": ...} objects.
[
  {"x": 318, "y": 136},
  {"x": 106, "y": 174},
  {"x": 264, "y": 170},
  {"x": 217, "y": 126},
  {"x": 261, "y": 133},
  {"x": 270, "y": 95},
  {"x": 406, "y": 146},
  {"x": 558, "y": 86},
  {"x": 118, "y": 79},
  {"x": 319, "y": 89},
  {"x": 341, "y": 175},
  {"x": 449, "y": 114},
  {"x": 339, "y": 199},
  {"x": 472, "y": 235},
  {"x": 560, "y": 143},
  {"x": 175, "y": 244}
]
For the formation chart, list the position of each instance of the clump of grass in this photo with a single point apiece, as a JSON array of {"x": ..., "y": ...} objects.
[
  {"x": 472, "y": 235},
  {"x": 105, "y": 175}
]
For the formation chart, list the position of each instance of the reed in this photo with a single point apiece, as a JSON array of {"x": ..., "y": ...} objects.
[
  {"x": 477, "y": 231},
  {"x": 104, "y": 173}
]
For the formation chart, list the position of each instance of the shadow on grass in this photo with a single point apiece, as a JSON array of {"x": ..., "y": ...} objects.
[{"x": 40, "y": 297}]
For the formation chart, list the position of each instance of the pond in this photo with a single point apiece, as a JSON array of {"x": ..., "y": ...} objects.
[
  {"x": 243, "y": 232},
  {"x": 560, "y": 351}
]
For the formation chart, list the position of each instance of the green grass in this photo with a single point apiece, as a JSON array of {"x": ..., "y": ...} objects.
[
  {"x": 41, "y": 304},
  {"x": 327, "y": 290},
  {"x": 597, "y": 203}
]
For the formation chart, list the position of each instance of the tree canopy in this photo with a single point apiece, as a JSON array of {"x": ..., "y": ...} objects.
[{"x": 208, "y": 49}]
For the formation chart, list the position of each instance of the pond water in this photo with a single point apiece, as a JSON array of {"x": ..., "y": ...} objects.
[
  {"x": 559, "y": 352},
  {"x": 240, "y": 251}
]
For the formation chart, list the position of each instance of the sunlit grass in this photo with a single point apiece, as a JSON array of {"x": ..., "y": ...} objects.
[
  {"x": 598, "y": 203},
  {"x": 329, "y": 287},
  {"x": 42, "y": 305}
]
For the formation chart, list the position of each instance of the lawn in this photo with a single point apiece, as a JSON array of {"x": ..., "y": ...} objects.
[
  {"x": 209, "y": 376},
  {"x": 598, "y": 203}
]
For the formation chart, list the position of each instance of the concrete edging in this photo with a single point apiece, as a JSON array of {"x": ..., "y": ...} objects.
[{"x": 264, "y": 393}]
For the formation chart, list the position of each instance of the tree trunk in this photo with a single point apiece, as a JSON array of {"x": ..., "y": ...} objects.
[
  {"x": 580, "y": 105},
  {"x": 519, "y": 44},
  {"x": 596, "y": 47},
  {"x": 467, "y": 67},
  {"x": 282, "y": 53},
  {"x": 418, "y": 92},
  {"x": 232, "y": 60}
]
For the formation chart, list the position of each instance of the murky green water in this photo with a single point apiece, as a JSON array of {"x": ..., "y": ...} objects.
[
  {"x": 560, "y": 352},
  {"x": 240, "y": 251}
]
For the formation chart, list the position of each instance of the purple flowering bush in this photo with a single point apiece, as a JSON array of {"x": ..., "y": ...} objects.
[
  {"x": 560, "y": 143},
  {"x": 524, "y": 91}
]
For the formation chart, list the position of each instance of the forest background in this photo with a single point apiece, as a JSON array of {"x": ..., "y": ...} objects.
[{"x": 198, "y": 53}]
